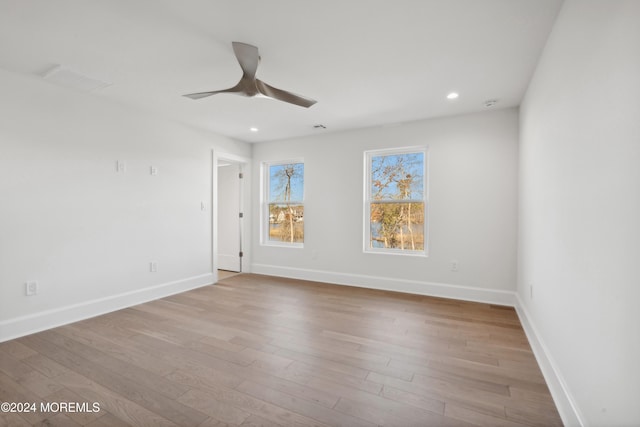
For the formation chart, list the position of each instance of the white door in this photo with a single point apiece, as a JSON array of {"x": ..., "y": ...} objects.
[{"x": 229, "y": 216}]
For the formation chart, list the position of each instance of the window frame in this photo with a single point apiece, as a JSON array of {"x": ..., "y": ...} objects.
[
  {"x": 368, "y": 200},
  {"x": 266, "y": 202}
]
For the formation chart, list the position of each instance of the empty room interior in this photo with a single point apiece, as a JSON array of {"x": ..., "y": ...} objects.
[{"x": 355, "y": 213}]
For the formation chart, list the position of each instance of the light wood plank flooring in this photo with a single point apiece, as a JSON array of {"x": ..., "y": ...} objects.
[
  {"x": 224, "y": 274},
  {"x": 264, "y": 351}
]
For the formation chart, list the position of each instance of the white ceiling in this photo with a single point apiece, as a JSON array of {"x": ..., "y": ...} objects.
[{"x": 366, "y": 62}]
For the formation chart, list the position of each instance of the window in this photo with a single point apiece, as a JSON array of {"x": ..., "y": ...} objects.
[
  {"x": 284, "y": 210},
  {"x": 395, "y": 201}
]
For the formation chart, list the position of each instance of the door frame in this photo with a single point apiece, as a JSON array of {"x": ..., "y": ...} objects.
[{"x": 245, "y": 204}]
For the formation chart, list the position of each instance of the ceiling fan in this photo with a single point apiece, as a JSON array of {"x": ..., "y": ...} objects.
[{"x": 249, "y": 85}]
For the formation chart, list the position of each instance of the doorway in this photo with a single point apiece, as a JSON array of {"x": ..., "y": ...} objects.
[
  {"x": 229, "y": 220},
  {"x": 228, "y": 216}
]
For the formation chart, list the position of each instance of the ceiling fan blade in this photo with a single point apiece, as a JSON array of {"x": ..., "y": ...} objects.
[
  {"x": 199, "y": 95},
  {"x": 248, "y": 57},
  {"x": 283, "y": 95}
]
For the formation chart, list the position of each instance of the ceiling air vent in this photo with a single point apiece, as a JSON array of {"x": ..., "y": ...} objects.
[
  {"x": 65, "y": 77},
  {"x": 490, "y": 102}
]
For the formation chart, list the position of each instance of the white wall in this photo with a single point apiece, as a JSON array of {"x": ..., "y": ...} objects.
[
  {"x": 472, "y": 213},
  {"x": 579, "y": 210},
  {"x": 85, "y": 232}
]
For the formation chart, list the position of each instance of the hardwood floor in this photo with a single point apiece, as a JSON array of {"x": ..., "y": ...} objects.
[
  {"x": 224, "y": 274},
  {"x": 263, "y": 351}
]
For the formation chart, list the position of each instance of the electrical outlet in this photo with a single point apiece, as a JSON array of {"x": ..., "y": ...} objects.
[
  {"x": 153, "y": 266},
  {"x": 153, "y": 170},
  {"x": 121, "y": 166},
  {"x": 455, "y": 265},
  {"x": 31, "y": 288}
]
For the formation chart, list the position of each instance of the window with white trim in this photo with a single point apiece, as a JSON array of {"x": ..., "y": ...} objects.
[
  {"x": 283, "y": 218},
  {"x": 396, "y": 201}
]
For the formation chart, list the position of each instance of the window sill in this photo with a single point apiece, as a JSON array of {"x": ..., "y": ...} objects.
[
  {"x": 399, "y": 252},
  {"x": 283, "y": 245}
]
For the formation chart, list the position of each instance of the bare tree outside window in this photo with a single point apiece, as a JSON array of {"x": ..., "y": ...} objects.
[
  {"x": 286, "y": 208},
  {"x": 396, "y": 201}
]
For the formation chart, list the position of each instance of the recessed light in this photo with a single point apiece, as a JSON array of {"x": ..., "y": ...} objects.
[
  {"x": 452, "y": 95},
  {"x": 253, "y": 129}
]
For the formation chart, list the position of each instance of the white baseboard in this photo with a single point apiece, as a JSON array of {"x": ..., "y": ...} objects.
[
  {"x": 466, "y": 293},
  {"x": 569, "y": 412},
  {"x": 25, "y": 325}
]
